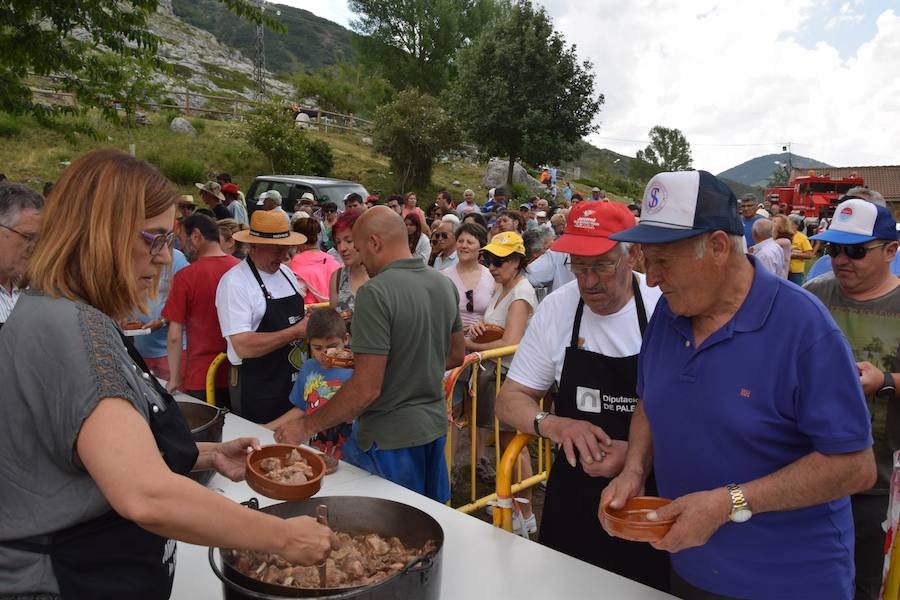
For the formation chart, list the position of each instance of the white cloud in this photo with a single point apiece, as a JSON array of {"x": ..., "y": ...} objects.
[{"x": 732, "y": 73}]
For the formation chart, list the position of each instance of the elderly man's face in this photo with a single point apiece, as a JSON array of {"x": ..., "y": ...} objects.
[
  {"x": 542, "y": 204},
  {"x": 506, "y": 223},
  {"x": 748, "y": 208},
  {"x": 268, "y": 204},
  {"x": 268, "y": 257},
  {"x": 18, "y": 241},
  {"x": 469, "y": 196},
  {"x": 690, "y": 284},
  {"x": 605, "y": 280}
]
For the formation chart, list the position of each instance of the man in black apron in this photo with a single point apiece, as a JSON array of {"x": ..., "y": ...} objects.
[
  {"x": 595, "y": 366},
  {"x": 263, "y": 326}
]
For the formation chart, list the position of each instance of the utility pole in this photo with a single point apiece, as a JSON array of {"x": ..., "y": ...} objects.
[
  {"x": 259, "y": 59},
  {"x": 790, "y": 162}
]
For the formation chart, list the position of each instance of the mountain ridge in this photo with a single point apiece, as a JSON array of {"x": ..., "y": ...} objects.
[{"x": 757, "y": 171}]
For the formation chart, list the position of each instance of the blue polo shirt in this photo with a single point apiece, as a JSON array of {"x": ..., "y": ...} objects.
[{"x": 774, "y": 384}]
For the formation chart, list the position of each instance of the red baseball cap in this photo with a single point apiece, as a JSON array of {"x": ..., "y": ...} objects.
[
  {"x": 229, "y": 188},
  {"x": 589, "y": 226}
]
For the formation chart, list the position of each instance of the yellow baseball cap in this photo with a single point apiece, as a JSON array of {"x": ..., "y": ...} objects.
[{"x": 504, "y": 244}]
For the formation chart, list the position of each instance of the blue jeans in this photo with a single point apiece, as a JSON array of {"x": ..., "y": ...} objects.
[
  {"x": 796, "y": 278},
  {"x": 422, "y": 469}
]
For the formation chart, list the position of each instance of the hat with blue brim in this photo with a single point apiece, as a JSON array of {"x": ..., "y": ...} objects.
[
  {"x": 683, "y": 204},
  {"x": 857, "y": 221}
]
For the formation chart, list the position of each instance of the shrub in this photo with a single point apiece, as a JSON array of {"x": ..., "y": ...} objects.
[
  {"x": 10, "y": 126},
  {"x": 199, "y": 125},
  {"x": 272, "y": 131},
  {"x": 183, "y": 170}
]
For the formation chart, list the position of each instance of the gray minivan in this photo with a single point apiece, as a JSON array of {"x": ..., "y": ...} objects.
[{"x": 291, "y": 187}]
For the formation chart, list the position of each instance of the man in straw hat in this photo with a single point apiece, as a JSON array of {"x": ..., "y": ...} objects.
[
  {"x": 261, "y": 317},
  {"x": 211, "y": 193}
]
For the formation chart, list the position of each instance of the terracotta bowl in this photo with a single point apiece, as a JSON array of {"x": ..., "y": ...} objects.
[
  {"x": 491, "y": 333},
  {"x": 330, "y": 361},
  {"x": 283, "y": 491},
  {"x": 630, "y": 522}
]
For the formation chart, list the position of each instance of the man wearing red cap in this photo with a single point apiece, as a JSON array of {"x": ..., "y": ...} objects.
[{"x": 586, "y": 337}]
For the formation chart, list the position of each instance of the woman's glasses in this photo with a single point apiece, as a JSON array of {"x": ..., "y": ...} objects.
[
  {"x": 489, "y": 260},
  {"x": 158, "y": 240},
  {"x": 470, "y": 300},
  {"x": 853, "y": 251}
]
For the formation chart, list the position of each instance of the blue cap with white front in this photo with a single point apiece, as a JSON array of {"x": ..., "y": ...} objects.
[
  {"x": 683, "y": 204},
  {"x": 857, "y": 221}
]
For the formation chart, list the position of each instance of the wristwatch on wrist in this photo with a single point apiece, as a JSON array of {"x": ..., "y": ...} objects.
[
  {"x": 537, "y": 421},
  {"x": 889, "y": 389},
  {"x": 740, "y": 508}
]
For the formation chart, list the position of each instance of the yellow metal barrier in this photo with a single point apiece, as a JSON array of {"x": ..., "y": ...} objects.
[
  {"x": 211, "y": 378},
  {"x": 473, "y": 361},
  {"x": 218, "y": 360},
  {"x": 505, "y": 488}
]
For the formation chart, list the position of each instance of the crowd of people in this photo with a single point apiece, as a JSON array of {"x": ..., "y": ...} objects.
[{"x": 650, "y": 332}]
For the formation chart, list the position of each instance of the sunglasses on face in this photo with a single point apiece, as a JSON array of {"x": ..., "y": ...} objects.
[
  {"x": 853, "y": 252},
  {"x": 158, "y": 240},
  {"x": 442, "y": 235},
  {"x": 489, "y": 260},
  {"x": 470, "y": 300}
]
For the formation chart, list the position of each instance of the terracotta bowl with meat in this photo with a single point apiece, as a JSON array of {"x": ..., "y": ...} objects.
[
  {"x": 490, "y": 333},
  {"x": 285, "y": 472},
  {"x": 337, "y": 359}
]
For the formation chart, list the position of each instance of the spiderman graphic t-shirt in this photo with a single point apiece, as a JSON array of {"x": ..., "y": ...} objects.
[{"x": 313, "y": 388}]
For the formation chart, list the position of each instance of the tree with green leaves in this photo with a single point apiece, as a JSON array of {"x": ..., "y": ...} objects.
[
  {"x": 345, "y": 88},
  {"x": 272, "y": 131},
  {"x": 668, "y": 150},
  {"x": 521, "y": 92},
  {"x": 73, "y": 40},
  {"x": 413, "y": 42},
  {"x": 412, "y": 131},
  {"x": 779, "y": 177}
]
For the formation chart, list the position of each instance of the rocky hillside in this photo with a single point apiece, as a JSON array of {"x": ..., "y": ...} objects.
[
  {"x": 309, "y": 43},
  {"x": 756, "y": 172},
  {"x": 201, "y": 63}
]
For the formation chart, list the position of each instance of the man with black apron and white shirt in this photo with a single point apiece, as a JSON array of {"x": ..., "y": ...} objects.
[
  {"x": 586, "y": 337},
  {"x": 261, "y": 315}
]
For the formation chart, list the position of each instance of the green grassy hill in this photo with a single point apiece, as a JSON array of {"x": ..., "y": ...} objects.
[
  {"x": 35, "y": 155},
  {"x": 310, "y": 43}
]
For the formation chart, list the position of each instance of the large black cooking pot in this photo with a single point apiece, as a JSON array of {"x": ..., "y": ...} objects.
[
  {"x": 421, "y": 579},
  {"x": 206, "y": 422}
]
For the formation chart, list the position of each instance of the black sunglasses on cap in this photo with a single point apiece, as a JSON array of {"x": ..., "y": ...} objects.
[{"x": 853, "y": 251}]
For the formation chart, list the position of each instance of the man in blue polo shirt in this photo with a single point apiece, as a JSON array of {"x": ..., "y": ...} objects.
[{"x": 759, "y": 463}]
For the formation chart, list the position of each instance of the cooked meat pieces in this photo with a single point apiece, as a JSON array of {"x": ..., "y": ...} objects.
[
  {"x": 335, "y": 353},
  {"x": 292, "y": 469},
  {"x": 360, "y": 560}
]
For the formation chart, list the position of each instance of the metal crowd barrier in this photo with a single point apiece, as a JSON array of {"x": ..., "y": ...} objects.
[
  {"x": 221, "y": 358},
  {"x": 503, "y": 494}
]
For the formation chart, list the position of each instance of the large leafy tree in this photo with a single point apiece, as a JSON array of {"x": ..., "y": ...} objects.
[
  {"x": 345, "y": 88},
  {"x": 413, "y": 42},
  {"x": 668, "y": 150},
  {"x": 74, "y": 40},
  {"x": 413, "y": 130},
  {"x": 521, "y": 92}
]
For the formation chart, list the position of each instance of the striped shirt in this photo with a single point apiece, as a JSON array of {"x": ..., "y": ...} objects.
[{"x": 7, "y": 301}]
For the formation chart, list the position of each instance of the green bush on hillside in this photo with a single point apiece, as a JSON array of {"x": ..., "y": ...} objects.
[
  {"x": 183, "y": 170},
  {"x": 272, "y": 131},
  {"x": 10, "y": 126},
  {"x": 198, "y": 124}
]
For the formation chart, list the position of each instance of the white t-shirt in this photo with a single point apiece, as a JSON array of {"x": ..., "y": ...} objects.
[
  {"x": 240, "y": 301},
  {"x": 496, "y": 312},
  {"x": 539, "y": 360},
  {"x": 550, "y": 267}
]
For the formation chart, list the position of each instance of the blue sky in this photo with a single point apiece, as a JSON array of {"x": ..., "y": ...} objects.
[{"x": 739, "y": 78}]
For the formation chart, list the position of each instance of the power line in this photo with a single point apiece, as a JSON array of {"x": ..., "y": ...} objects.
[{"x": 632, "y": 141}]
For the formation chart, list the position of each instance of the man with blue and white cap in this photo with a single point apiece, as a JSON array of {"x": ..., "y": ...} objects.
[
  {"x": 863, "y": 296},
  {"x": 759, "y": 463}
]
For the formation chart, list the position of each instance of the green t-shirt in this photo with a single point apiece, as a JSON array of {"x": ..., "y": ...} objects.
[
  {"x": 407, "y": 312},
  {"x": 873, "y": 330}
]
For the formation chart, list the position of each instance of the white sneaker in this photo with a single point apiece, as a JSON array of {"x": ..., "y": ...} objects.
[{"x": 524, "y": 527}]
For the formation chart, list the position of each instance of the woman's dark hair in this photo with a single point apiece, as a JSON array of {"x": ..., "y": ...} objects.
[
  {"x": 326, "y": 206},
  {"x": 309, "y": 228},
  {"x": 208, "y": 228},
  {"x": 476, "y": 217},
  {"x": 475, "y": 230},
  {"x": 413, "y": 219},
  {"x": 325, "y": 324},
  {"x": 515, "y": 216}
]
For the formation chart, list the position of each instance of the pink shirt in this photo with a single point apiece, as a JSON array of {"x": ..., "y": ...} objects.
[
  {"x": 313, "y": 269},
  {"x": 481, "y": 294}
]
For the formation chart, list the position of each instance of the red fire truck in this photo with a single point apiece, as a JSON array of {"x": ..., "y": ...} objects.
[{"x": 813, "y": 196}]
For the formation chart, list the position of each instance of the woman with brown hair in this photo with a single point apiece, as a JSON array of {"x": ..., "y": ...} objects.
[
  {"x": 94, "y": 487},
  {"x": 419, "y": 244},
  {"x": 311, "y": 266},
  {"x": 411, "y": 208},
  {"x": 227, "y": 229}
]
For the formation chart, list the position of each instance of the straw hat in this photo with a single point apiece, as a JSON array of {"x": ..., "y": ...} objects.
[{"x": 267, "y": 227}]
